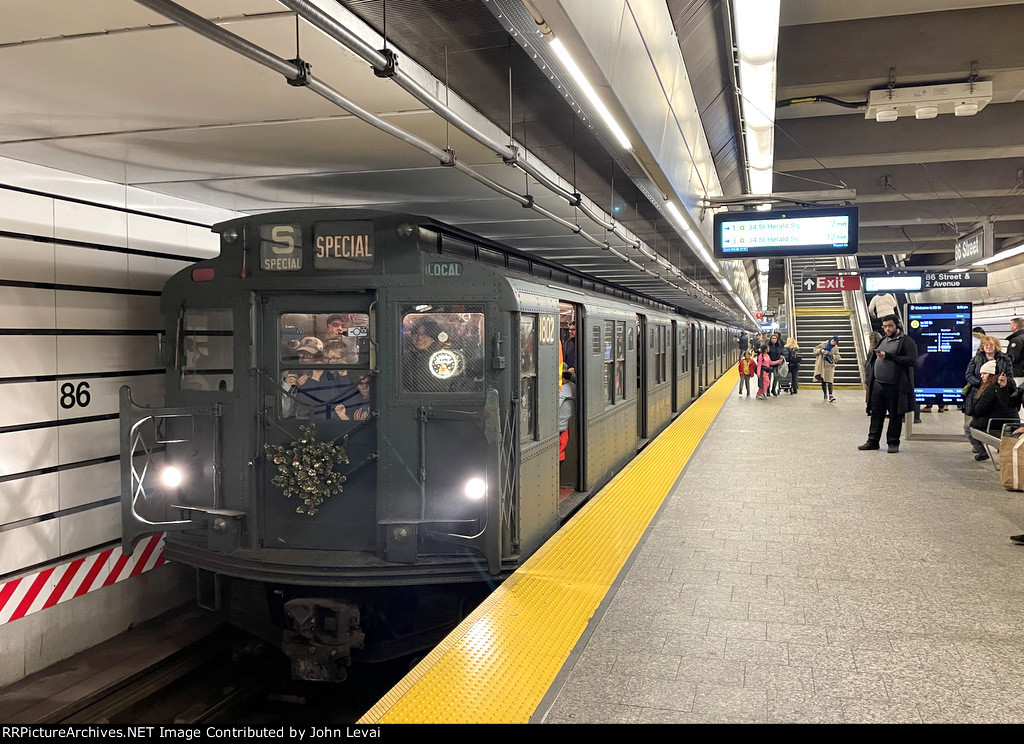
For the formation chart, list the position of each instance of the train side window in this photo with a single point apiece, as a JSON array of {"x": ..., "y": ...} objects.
[
  {"x": 528, "y": 377},
  {"x": 620, "y": 361},
  {"x": 658, "y": 342},
  {"x": 609, "y": 361},
  {"x": 205, "y": 359},
  {"x": 442, "y": 348}
]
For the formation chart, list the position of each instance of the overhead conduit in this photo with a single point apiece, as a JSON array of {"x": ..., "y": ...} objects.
[{"x": 297, "y": 73}]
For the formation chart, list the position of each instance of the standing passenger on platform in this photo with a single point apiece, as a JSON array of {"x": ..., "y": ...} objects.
[
  {"x": 794, "y": 364},
  {"x": 744, "y": 341},
  {"x": 881, "y": 304},
  {"x": 747, "y": 370},
  {"x": 891, "y": 380},
  {"x": 764, "y": 366},
  {"x": 775, "y": 353},
  {"x": 826, "y": 357},
  {"x": 1015, "y": 350}
]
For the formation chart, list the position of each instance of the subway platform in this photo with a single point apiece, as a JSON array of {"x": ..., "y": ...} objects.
[{"x": 786, "y": 578}]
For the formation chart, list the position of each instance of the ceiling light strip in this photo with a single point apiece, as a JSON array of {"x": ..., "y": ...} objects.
[
  {"x": 757, "y": 41},
  {"x": 325, "y": 22},
  {"x": 292, "y": 71}
]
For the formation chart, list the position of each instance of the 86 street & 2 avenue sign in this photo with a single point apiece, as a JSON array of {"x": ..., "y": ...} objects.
[{"x": 956, "y": 280}]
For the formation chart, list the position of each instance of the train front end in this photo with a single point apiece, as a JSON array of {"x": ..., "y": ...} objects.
[{"x": 332, "y": 456}]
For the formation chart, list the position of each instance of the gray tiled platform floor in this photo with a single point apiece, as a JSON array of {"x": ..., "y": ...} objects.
[{"x": 792, "y": 578}]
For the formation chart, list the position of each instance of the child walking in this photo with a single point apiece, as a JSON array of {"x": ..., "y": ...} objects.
[
  {"x": 764, "y": 365},
  {"x": 747, "y": 370}
]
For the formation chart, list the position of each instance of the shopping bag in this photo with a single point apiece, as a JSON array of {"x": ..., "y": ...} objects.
[{"x": 1011, "y": 461}]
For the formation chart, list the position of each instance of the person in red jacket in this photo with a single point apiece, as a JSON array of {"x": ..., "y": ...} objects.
[{"x": 747, "y": 370}]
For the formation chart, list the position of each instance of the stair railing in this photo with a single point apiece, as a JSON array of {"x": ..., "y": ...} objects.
[{"x": 859, "y": 319}]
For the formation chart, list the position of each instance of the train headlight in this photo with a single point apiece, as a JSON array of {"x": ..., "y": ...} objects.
[
  {"x": 476, "y": 489},
  {"x": 171, "y": 477}
]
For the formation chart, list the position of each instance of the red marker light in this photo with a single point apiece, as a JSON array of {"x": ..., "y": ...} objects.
[{"x": 202, "y": 275}]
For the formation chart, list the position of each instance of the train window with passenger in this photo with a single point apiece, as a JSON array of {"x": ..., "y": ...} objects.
[
  {"x": 204, "y": 356},
  {"x": 324, "y": 366},
  {"x": 442, "y": 348},
  {"x": 528, "y": 376}
]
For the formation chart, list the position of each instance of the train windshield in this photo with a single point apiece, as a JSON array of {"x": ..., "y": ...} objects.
[
  {"x": 324, "y": 363},
  {"x": 442, "y": 348},
  {"x": 205, "y": 352}
]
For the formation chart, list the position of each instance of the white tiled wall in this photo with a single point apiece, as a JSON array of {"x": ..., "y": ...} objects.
[{"x": 57, "y": 439}]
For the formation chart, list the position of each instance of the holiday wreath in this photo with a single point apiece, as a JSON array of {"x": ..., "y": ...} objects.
[{"x": 305, "y": 469}]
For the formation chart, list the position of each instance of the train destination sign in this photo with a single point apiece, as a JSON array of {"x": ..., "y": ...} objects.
[
  {"x": 956, "y": 280},
  {"x": 281, "y": 247},
  {"x": 943, "y": 336},
  {"x": 830, "y": 231},
  {"x": 343, "y": 245}
]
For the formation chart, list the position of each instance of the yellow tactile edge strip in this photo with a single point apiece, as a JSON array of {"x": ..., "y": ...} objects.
[{"x": 496, "y": 666}]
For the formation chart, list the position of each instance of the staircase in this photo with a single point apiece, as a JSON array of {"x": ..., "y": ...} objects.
[{"x": 819, "y": 315}]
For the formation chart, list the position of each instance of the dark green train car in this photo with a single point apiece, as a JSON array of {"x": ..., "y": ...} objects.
[{"x": 428, "y": 358}]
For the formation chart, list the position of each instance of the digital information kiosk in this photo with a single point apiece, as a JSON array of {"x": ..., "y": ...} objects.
[{"x": 942, "y": 333}]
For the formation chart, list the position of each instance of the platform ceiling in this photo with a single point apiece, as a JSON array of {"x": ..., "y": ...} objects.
[{"x": 110, "y": 89}]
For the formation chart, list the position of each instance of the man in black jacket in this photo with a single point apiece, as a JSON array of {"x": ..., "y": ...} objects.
[
  {"x": 891, "y": 382},
  {"x": 1015, "y": 349}
]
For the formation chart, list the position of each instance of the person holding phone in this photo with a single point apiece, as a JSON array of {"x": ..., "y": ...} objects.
[
  {"x": 988, "y": 351},
  {"x": 998, "y": 399},
  {"x": 891, "y": 385}
]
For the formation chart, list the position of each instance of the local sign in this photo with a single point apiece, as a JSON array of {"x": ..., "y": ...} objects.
[{"x": 831, "y": 283}]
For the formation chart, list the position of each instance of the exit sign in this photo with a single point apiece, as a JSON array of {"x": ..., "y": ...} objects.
[{"x": 837, "y": 283}]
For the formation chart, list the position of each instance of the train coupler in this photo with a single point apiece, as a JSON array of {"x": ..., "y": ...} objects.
[{"x": 319, "y": 636}]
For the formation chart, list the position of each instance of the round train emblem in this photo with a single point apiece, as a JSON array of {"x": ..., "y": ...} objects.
[{"x": 445, "y": 364}]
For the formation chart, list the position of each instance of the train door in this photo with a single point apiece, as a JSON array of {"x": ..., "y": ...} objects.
[
  {"x": 318, "y": 381},
  {"x": 641, "y": 378},
  {"x": 700, "y": 359},
  {"x": 694, "y": 341},
  {"x": 674, "y": 345},
  {"x": 570, "y": 469}
]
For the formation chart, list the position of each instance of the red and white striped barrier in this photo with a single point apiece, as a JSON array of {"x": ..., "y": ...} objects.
[{"x": 38, "y": 591}]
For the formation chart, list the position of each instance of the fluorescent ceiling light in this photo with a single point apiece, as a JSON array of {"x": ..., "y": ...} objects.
[
  {"x": 581, "y": 80},
  {"x": 1015, "y": 251},
  {"x": 766, "y": 207},
  {"x": 926, "y": 112},
  {"x": 887, "y": 115},
  {"x": 966, "y": 109},
  {"x": 757, "y": 41}
]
